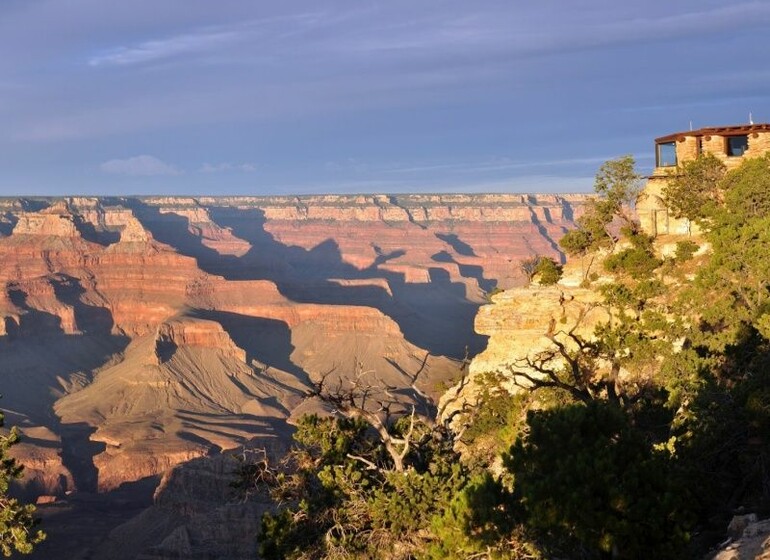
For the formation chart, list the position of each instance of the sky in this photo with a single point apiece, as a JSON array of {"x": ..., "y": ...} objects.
[{"x": 256, "y": 97}]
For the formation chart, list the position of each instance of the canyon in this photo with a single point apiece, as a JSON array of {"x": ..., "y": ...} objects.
[{"x": 143, "y": 337}]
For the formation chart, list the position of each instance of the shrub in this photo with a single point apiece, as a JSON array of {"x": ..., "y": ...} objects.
[
  {"x": 685, "y": 250},
  {"x": 548, "y": 271}
]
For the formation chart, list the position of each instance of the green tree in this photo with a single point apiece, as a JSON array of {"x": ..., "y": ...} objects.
[
  {"x": 685, "y": 250},
  {"x": 747, "y": 189},
  {"x": 548, "y": 271},
  {"x": 17, "y": 524},
  {"x": 719, "y": 378},
  {"x": 365, "y": 484},
  {"x": 343, "y": 498},
  {"x": 693, "y": 191},
  {"x": 585, "y": 475},
  {"x": 617, "y": 185},
  {"x": 637, "y": 261}
]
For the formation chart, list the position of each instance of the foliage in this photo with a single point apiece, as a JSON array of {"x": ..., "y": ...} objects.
[
  {"x": 548, "y": 271},
  {"x": 481, "y": 520},
  {"x": 692, "y": 406},
  {"x": 585, "y": 475},
  {"x": 617, "y": 185},
  {"x": 637, "y": 261},
  {"x": 577, "y": 241},
  {"x": 693, "y": 191},
  {"x": 623, "y": 440},
  {"x": 685, "y": 250},
  {"x": 747, "y": 189},
  {"x": 17, "y": 533},
  {"x": 343, "y": 497}
]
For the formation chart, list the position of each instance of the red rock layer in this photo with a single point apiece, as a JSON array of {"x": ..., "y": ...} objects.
[{"x": 142, "y": 332}]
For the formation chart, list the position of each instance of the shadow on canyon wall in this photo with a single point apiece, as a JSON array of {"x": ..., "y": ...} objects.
[
  {"x": 434, "y": 315},
  {"x": 39, "y": 361},
  {"x": 268, "y": 341}
]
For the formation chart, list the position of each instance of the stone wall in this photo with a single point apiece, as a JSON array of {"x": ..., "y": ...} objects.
[{"x": 654, "y": 217}]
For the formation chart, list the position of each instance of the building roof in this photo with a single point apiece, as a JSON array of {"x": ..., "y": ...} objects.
[{"x": 717, "y": 130}]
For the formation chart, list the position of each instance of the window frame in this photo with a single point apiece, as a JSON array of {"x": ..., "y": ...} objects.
[
  {"x": 658, "y": 151},
  {"x": 729, "y": 152}
]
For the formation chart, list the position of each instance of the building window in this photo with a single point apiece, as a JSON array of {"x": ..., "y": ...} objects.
[
  {"x": 666, "y": 154},
  {"x": 700, "y": 145},
  {"x": 737, "y": 145}
]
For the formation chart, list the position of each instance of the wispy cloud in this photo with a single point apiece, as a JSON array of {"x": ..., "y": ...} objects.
[
  {"x": 165, "y": 48},
  {"x": 143, "y": 166},
  {"x": 423, "y": 95},
  {"x": 522, "y": 33},
  {"x": 461, "y": 167},
  {"x": 227, "y": 167},
  {"x": 209, "y": 39}
]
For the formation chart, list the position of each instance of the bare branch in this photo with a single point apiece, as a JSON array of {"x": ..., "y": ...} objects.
[{"x": 370, "y": 466}]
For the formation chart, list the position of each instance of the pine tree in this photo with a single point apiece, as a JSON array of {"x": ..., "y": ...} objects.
[{"x": 17, "y": 532}]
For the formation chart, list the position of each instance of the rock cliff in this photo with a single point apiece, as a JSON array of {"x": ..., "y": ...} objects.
[{"x": 140, "y": 333}]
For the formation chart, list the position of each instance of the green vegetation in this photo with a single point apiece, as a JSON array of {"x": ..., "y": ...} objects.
[
  {"x": 548, "y": 271},
  {"x": 545, "y": 269},
  {"x": 685, "y": 250},
  {"x": 345, "y": 497},
  {"x": 617, "y": 185},
  {"x": 638, "y": 438},
  {"x": 692, "y": 191},
  {"x": 637, "y": 261},
  {"x": 17, "y": 533},
  {"x": 616, "y": 495}
]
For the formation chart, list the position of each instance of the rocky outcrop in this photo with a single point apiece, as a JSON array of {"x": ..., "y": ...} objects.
[
  {"x": 40, "y": 451},
  {"x": 195, "y": 333},
  {"x": 142, "y": 333},
  {"x": 522, "y": 324},
  {"x": 196, "y": 515},
  {"x": 518, "y": 323},
  {"x": 749, "y": 540}
]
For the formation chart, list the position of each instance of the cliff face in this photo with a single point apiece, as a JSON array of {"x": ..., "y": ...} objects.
[
  {"x": 520, "y": 321},
  {"x": 140, "y": 333},
  {"x": 137, "y": 334},
  {"x": 522, "y": 324}
]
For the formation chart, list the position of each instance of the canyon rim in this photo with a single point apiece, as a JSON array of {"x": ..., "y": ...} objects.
[{"x": 141, "y": 336}]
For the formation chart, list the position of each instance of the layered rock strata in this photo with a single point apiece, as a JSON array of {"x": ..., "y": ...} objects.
[{"x": 138, "y": 334}]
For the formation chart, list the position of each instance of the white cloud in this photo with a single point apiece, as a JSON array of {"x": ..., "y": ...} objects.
[
  {"x": 154, "y": 50},
  {"x": 227, "y": 166},
  {"x": 143, "y": 165},
  {"x": 209, "y": 39}
]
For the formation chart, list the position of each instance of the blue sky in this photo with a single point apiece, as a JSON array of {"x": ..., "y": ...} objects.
[{"x": 257, "y": 97}]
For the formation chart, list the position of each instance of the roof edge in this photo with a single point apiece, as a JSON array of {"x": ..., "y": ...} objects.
[{"x": 716, "y": 130}]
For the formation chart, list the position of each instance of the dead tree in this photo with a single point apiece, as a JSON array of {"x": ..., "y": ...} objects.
[
  {"x": 571, "y": 364},
  {"x": 374, "y": 403}
]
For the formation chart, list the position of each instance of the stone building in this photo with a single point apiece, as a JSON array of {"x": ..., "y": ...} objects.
[{"x": 731, "y": 144}]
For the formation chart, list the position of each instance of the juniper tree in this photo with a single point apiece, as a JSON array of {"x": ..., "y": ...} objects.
[{"x": 17, "y": 524}]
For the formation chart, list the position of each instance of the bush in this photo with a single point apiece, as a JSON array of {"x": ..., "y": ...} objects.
[
  {"x": 637, "y": 262},
  {"x": 588, "y": 478},
  {"x": 548, "y": 271},
  {"x": 685, "y": 250},
  {"x": 17, "y": 523}
]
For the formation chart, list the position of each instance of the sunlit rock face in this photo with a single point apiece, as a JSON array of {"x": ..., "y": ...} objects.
[{"x": 140, "y": 333}]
